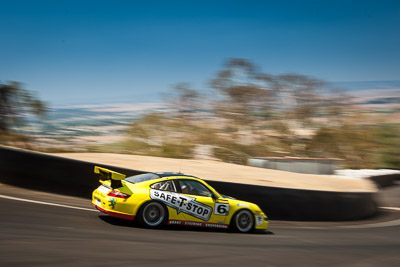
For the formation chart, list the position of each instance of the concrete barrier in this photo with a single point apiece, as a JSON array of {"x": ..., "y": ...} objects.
[
  {"x": 299, "y": 165},
  {"x": 72, "y": 177},
  {"x": 385, "y": 180},
  {"x": 294, "y": 204},
  {"x": 50, "y": 173}
]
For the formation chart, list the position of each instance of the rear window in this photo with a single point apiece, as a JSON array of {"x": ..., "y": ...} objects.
[{"x": 142, "y": 177}]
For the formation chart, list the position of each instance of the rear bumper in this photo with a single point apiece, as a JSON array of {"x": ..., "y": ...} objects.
[
  {"x": 112, "y": 206},
  {"x": 115, "y": 214}
]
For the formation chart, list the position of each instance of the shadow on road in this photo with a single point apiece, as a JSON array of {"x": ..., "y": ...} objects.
[{"x": 134, "y": 224}]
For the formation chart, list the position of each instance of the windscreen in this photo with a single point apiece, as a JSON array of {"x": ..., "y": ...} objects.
[{"x": 142, "y": 177}]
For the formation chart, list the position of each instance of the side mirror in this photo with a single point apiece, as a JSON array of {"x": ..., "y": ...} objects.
[{"x": 214, "y": 196}]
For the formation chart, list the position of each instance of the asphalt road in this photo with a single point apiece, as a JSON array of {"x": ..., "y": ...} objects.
[{"x": 39, "y": 234}]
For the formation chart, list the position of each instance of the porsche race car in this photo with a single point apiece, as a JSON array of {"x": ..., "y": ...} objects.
[{"x": 157, "y": 199}]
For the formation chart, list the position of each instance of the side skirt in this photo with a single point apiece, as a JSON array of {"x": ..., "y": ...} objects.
[{"x": 198, "y": 224}]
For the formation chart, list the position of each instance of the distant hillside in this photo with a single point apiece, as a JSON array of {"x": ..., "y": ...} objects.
[
  {"x": 72, "y": 125},
  {"x": 368, "y": 85},
  {"x": 79, "y": 125}
]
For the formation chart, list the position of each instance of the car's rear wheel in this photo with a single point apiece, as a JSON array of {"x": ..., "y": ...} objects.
[
  {"x": 153, "y": 215},
  {"x": 243, "y": 221}
]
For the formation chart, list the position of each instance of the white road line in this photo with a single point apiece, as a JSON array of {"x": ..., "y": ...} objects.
[
  {"x": 390, "y": 208},
  {"x": 46, "y": 203},
  {"x": 374, "y": 225},
  {"x": 355, "y": 226}
]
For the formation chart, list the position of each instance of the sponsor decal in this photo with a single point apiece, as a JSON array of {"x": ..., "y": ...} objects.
[
  {"x": 242, "y": 205},
  {"x": 103, "y": 189},
  {"x": 259, "y": 219},
  {"x": 215, "y": 225},
  {"x": 221, "y": 209},
  {"x": 182, "y": 203},
  {"x": 112, "y": 203},
  {"x": 198, "y": 224},
  {"x": 175, "y": 222}
]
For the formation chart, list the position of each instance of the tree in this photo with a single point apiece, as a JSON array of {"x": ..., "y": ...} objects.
[
  {"x": 16, "y": 104},
  {"x": 245, "y": 93},
  {"x": 300, "y": 95},
  {"x": 183, "y": 100},
  {"x": 288, "y": 104}
]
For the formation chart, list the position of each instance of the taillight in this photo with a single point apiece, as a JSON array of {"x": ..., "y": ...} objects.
[{"x": 118, "y": 194}]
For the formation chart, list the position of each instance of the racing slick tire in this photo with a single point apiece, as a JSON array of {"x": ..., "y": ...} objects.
[
  {"x": 153, "y": 214},
  {"x": 243, "y": 221}
]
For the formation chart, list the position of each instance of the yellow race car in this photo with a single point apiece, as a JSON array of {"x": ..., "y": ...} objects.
[{"x": 156, "y": 199}]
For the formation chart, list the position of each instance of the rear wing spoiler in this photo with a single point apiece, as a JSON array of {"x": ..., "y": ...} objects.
[{"x": 106, "y": 174}]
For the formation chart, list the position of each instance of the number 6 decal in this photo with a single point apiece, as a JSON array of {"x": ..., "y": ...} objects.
[{"x": 221, "y": 209}]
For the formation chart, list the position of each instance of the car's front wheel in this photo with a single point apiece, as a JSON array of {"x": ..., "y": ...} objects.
[
  {"x": 243, "y": 221},
  {"x": 153, "y": 215}
]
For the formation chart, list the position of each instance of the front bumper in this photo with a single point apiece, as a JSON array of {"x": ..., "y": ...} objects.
[{"x": 261, "y": 222}]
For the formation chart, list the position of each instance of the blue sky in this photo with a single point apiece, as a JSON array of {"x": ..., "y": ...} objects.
[{"x": 108, "y": 51}]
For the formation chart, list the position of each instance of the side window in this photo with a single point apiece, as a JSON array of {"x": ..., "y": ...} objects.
[
  {"x": 164, "y": 186},
  {"x": 192, "y": 187}
]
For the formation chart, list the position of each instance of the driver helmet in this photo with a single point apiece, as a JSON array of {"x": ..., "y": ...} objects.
[{"x": 185, "y": 189}]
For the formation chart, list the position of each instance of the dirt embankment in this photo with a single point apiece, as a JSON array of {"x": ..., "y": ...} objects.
[{"x": 220, "y": 171}]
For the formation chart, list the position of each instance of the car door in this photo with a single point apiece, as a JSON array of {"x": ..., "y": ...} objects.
[
  {"x": 166, "y": 192},
  {"x": 200, "y": 205}
]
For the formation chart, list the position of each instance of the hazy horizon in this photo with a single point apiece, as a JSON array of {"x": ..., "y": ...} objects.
[{"x": 157, "y": 96}]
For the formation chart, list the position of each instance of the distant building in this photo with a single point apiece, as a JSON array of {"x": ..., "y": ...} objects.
[{"x": 294, "y": 164}]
